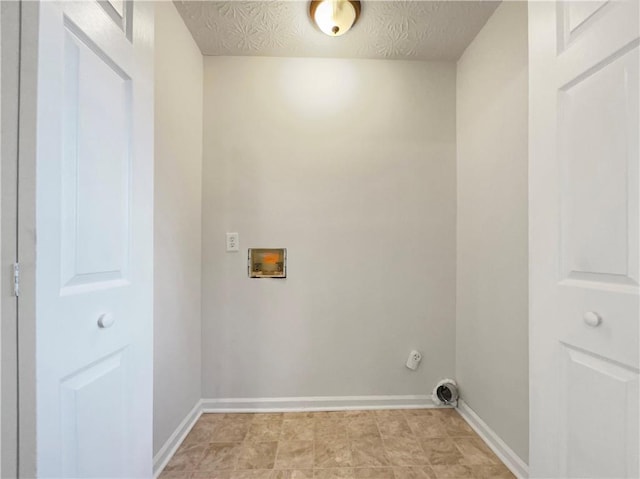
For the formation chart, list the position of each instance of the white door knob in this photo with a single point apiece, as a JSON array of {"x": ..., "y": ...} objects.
[
  {"x": 106, "y": 320},
  {"x": 592, "y": 319}
]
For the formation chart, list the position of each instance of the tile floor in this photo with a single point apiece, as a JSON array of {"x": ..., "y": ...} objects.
[{"x": 384, "y": 444}]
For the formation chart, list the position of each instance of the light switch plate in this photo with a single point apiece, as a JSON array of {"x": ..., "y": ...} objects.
[{"x": 233, "y": 242}]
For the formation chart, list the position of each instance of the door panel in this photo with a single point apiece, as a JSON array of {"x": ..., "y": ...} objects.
[
  {"x": 580, "y": 12},
  {"x": 598, "y": 115},
  {"x": 584, "y": 239},
  {"x": 120, "y": 12},
  {"x": 607, "y": 393},
  {"x": 87, "y": 420},
  {"x": 96, "y": 167},
  {"x": 94, "y": 171}
]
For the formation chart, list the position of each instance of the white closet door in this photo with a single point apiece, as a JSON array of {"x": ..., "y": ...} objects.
[
  {"x": 584, "y": 333},
  {"x": 94, "y": 210}
]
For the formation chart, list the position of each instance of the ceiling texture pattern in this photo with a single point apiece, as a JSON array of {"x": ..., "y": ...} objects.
[{"x": 397, "y": 29}]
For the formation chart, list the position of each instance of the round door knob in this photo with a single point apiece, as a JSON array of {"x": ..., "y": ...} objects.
[
  {"x": 106, "y": 320},
  {"x": 592, "y": 319}
]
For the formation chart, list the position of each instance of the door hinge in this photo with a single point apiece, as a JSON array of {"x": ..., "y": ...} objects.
[{"x": 16, "y": 279}]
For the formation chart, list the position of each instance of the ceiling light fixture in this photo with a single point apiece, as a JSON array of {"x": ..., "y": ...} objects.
[{"x": 334, "y": 17}]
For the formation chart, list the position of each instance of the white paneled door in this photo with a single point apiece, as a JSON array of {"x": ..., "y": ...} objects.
[
  {"x": 94, "y": 176},
  {"x": 585, "y": 315}
]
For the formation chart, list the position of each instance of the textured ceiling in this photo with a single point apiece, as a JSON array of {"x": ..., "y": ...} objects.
[{"x": 418, "y": 30}]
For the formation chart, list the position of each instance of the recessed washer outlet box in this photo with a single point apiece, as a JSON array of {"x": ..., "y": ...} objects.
[{"x": 267, "y": 262}]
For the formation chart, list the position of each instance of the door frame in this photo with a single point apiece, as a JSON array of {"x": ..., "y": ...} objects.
[
  {"x": 18, "y": 225},
  {"x": 9, "y": 90},
  {"x": 19, "y": 21},
  {"x": 29, "y": 22}
]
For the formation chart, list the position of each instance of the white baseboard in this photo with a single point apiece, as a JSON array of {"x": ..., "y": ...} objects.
[
  {"x": 516, "y": 465},
  {"x": 321, "y": 403},
  {"x": 170, "y": 447}
]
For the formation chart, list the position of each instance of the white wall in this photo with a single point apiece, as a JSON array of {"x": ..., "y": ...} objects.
[
  {"x": 350, "y": 164},
  {"x": 492, "y": 271},
  {"x": 178, "y": 167}
]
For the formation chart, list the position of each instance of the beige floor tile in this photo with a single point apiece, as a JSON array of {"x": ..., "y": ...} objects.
[
  {"x": 294, "y": 455},
  {"x": 211, "y": 417},
  {"x": 292, "y": 474},
  {"x": 456, "y": 426},
  {"x": 354, "y": 473},
  {"x": 299, "y": 415},
  {"x": 239, "y": 417},
  {"x": 430, "y": 443},
  {"x": 201, "y": 433},
  {"x": 368, "y": 452},
  {"x": 456, "y": 471},
  {"x": 232, "y": 430},
  {"x": 415, "y": 472},
  {"x": 248, "y": 474},
  {"x": 297, "y": 430},
  {"x": 220, "y": 456},
  {"x": 357, "y": 414},
  {"x": 462, "y": 471},
  {"x": 373, "y": 473},
  {"x": 389, "y": 413},
  {"x": 361, "y": 428},
  {"x": 268, "y": 417},
  {"x": 264, "y": 431},
  {"x": 186, "y": 458},
  {"x": 175, "y": 475},
  {"x": 211, "y": 475},
  {"x": 326, "y": 429},
  {"x": 330, "y": 414},
  {"x": 420, "y": 412},
  {"x": 334, "y": 473},
  {"x": 472, "y": 472},
  {"x": 332, "y": 453},
  {"x": 252, "y": 474},
  {"x": 497, "y": 471},
  {"x": 427, "y": 426},
  {"x": 320, "y": 417},
  {"x": 392, "y": 427},
  {"x": 441, "y": 451},
  {"x": 446, "y": 411},
  {"x": 403, "y": 451},
  {"x": 475, "y": 451},
  {"x": 259, "y": 455}
]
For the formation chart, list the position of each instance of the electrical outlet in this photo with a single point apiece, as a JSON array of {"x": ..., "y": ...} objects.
[
  {"x": 414, "y": 360},
  {"x": 233, "y": 242}
]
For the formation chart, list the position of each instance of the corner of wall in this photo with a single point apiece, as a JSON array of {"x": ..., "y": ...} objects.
[
  {"x": 178, "y": 224},
  {"x": 492, "y": 226}
]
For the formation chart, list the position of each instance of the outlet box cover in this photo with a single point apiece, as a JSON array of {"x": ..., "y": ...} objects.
[{"x": 267, "y": 262}]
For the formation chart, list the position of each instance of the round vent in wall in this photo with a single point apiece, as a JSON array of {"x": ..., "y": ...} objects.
[{"x": 445, "y": 393}]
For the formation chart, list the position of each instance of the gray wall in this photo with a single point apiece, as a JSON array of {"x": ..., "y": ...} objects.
[
  {"x": 178, "y": 169},
  {"x": 350, "y": 164},
  {"x": 492, "y": 271}
]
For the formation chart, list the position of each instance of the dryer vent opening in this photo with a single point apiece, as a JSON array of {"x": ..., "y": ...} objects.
[{"x": 445, "y": 393}]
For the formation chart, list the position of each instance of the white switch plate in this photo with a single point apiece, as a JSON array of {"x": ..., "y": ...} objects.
[{"x": 233, "y": 242}]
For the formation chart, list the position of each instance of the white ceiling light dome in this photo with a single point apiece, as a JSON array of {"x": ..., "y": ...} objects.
[{"x": 334, "y": 17}]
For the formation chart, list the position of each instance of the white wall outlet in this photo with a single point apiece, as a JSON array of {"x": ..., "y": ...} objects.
[
  {"x": 233, "y": 242},
  {"x": 414, "y": 359}
]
